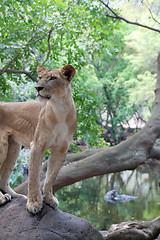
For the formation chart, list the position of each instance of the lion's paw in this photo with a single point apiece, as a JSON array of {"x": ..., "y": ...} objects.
[
  {"x": 5, "y": 198},
  {"x": 52, "y": 201},
  {"x": 34, "y": 207}
]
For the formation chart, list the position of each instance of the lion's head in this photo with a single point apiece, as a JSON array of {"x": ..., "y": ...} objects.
[{"x": 53, "y": 81}]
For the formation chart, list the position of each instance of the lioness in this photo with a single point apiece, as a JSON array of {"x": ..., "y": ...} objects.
[{"x": 48, "y": 123}]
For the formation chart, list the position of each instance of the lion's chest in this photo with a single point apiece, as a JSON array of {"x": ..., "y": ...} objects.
[
  {"x": 59, "y": 134},
  {"x": 57, "y": 128}
]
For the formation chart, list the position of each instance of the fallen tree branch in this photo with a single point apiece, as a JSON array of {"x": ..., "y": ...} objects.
[
  {"x": 135, "y": 230},
  {"x": 74, "y": 157}
]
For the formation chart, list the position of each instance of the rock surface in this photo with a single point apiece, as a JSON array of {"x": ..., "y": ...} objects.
[
  {"x": 134, "y": 230},
  {"x": 17, "y": 223}
]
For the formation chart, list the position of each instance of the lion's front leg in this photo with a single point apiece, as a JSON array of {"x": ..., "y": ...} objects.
[
  {"x": 35, "y": 200},
  {"x": 54, "y": 164}
]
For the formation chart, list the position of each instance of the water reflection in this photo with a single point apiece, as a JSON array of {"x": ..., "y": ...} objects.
[{"x": 86, "y": 198}]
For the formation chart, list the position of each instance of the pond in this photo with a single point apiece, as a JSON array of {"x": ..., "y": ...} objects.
[{"x": 86, "y": 198}]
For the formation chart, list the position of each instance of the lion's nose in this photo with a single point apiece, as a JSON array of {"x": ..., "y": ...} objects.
[{"x": 39, "y": 88}]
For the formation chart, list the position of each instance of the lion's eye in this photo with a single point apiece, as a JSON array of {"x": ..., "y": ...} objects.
[{"x": 52, "y": 78}]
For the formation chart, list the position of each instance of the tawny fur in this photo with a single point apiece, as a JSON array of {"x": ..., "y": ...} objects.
[{"x": 38, "y": 125}]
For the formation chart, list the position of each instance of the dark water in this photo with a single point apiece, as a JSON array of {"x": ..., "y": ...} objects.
[{"x": 86, "y": 198}]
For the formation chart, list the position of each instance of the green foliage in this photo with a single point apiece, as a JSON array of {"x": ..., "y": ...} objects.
[
  {"x": 143, "y": 59},
  {"x": 75, "y": 28},
  {"x": 113, "y": 75},
  {"x": 143, "y": 94},
  {"x": 86, "y": 102},
  {"x": 142, "y": 47},
  {"x": 53, "y": 34},
  {"x": 17, "y": 177},
  {"x": 47, "y": 154},
  {"x": 19, "y": 92}
]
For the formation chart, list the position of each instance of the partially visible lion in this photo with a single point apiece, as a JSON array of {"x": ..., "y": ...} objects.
[{"x": 48, "y": 123}]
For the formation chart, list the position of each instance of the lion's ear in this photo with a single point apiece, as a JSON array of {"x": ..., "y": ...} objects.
[
  {"x": 40, "y": 70},
  {"x": 68, "y": 71}
]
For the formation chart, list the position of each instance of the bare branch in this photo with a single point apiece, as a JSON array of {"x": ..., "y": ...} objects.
[
  {"x": 28, "y": 43},
  {"x": 13, "y": 59},
  {"x": 150, "y": 12},
  {"x": 37, "y": 40},
  {"x": 115, "y": 16},
  {"x": 49, "y": 46},
  {"x": 5, "y": 69},
  {"x": 69, "y": 7},
  {"x": 19, "y": 72}
]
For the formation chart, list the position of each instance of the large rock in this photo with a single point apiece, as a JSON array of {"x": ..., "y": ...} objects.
[{"x": 17, "y": 223}]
